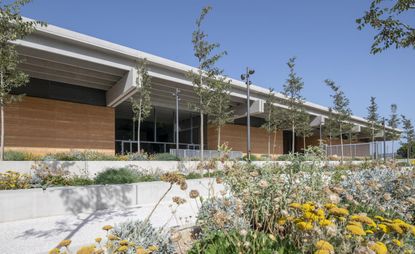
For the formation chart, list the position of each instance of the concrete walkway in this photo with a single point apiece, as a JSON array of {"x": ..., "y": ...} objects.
[{"x": 38, "y": 236}]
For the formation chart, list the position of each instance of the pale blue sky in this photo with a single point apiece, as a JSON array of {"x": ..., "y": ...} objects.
[{"x": 260, "y": 34}]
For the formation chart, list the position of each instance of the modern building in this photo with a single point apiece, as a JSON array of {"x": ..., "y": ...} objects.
[{"x": 77, "y": 98}]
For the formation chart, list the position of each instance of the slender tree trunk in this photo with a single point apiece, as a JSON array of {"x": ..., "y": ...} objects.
[
  {"x": 2, "y": 131},
  {"x": 350, "y": 145},
  {"x": 201, "y": 136},
  {"x": 373, "y": 142},
  {"x": 2, "y": 120},
  {"x": 293, "y": 139},
  {"x": 341, "y": 145},
  {"x": 409, "y": 151},
  {"x": 304, "y": 144},
  {"x": 138, "y": 130},
  {"x": 330, "y": 142},
  {"x": 269, "y": 144},
  {"x": 274, "y": 144},
  {"x": 218, "y": 130},
  {"x": 393, "y": 149}
]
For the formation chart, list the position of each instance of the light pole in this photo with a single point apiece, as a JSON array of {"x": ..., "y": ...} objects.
[
  {"x": 384, "y": 139},
  {"x": 176, "y": 94},
  {"x": 245, "y": 77}
]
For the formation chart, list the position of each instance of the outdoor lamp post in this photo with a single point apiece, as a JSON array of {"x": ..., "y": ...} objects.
[
  {"x": 176, "y": 94},
  {"x": 245, "y": 77}
]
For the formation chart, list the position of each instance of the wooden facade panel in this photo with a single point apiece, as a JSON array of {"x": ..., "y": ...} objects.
[
  {"x": 34, "y": 124},
  {"x": 235, "y": 135}
]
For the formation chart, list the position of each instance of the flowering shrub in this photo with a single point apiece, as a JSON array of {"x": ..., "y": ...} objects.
[
  {"x": 390, "y": 192},
  {"x": 113, "y": 244},
  {"x": 11, "y": 180}
]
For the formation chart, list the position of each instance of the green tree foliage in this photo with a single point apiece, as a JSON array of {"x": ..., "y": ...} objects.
[
  {"x": 220, "y": 111},
  {"x": 274, "y": 119},
  {"x": 341, "y": 111},
  {"x": 373, "y": 117},
  {"x": 13, "y": 27},
  {"x": 386, "y": 18},
  {"x": 403, "y": 151},
  {"x": 328, "y": 128},
  {"x": 294, "y": 100},
  {"x": 408, "y": 134},
  {"x": 141, "y": 101},
  {"x": 393, "y": 122},
  {"x": 207, "y": 72}
]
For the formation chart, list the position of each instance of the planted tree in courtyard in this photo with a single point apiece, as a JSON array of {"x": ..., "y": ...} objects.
[
  {"x": 141, "y": 100},
  {"x": 12, "y": 27},
  {"x": 373, "y": 118},
  {"x": 274, "y": 119},
  {"x": 341, "y": 111},
  {"x": 294, "y": 100},
  {"x": 408, "y": 134},
  {"x": 304, "y": 129},
  {"x": 393, "y": 122},
  {"x": 220, "y": 112},
  {"x": 328, "y": 128},
  {"x": 207, "y": 71},
  {"x": 385, "y": 18}
]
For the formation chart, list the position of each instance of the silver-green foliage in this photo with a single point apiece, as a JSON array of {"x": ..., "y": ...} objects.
[
  {"x": 13, "y": 27},
  {"x": 141, "y": 101},
  {"x": 144, "y": 234}
]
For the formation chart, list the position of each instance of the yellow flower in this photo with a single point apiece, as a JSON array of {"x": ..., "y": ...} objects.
[
  {"x": 141, "y": 251},
  {"x": 90, "y": 249},
  {"x": 397, "y": 242},
  {"x": 304, "y": 225},
  {"x": 65, "y": 243},
  {"x": 355, "y": 230},
  {"x": 107, "y": 227},
  {"x": 325, "y": 223},
  {"x": 322, "y": 252},
  {"x": 369, "y": 232},
  {"x": 54, "y": 251},
  {"x": 384, "y": 228},
  {"x": 339, "y": 211},
  {"x": 320, "y": 213},
  {"x": 124, "y": 242},
  {"x": 98, "y": 239},
  {"x": 324, "y": 245},
  {"x": 379, "y": 218},
  {"x": 329, "y": 206},
  {"x": 379, "y": 248},
  {"x": 342, "y": 219},
  {"x": 153, "y": 248},
  {"x": 112, "y": 237},
  {"x": 356, "y": 223},
  {"x": 281, "y": 221},
  {"x": 363, "y": 219},
  {"x": 123, "y": 248},
  {"x": 308, "y": 206},
  {"x": 310, "y": 216},
  {"x": 295, "y": 205},
  {"x": 395, "y": 227}
]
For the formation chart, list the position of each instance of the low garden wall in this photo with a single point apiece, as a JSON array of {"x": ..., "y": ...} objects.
[{"x": 35, "y": 203}]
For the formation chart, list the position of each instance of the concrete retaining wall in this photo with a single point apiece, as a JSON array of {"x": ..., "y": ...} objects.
[
  {"x": 91, "y": 168},
  {"x": 35, "y": 203}
]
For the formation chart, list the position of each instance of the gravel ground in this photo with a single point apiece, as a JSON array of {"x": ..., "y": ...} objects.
[{"x": 39, "y": 235}]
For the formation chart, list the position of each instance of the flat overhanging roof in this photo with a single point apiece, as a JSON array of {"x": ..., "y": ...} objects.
[{"x": 62, "y": 55}]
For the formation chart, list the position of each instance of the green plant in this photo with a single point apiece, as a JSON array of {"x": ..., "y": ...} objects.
[
  {"x": 80, "y": 181},
  {"x": 165, "y": 157},
  {"x": 137, "y": 157},
  {"x": 45, "y": 175},
  {"x": 194, "y": 175},
  {"x": 143, "y": 234},
  {"x": 243, "y": 241},
  {"x": 75, "y": 155},
  {"x": 117, "y": 176},
  {"x": 11, "y": 180},
  {"x": 12, "y": 155}
]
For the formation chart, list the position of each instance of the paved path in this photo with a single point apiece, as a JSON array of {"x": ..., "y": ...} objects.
[{"x": 42, "y": 234}]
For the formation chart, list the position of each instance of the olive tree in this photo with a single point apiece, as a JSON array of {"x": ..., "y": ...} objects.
[
  {"x": 141, "y": 101},
  {"x": 293, "y": 99},
  {"x": 385, "y": 18},
  {"x": 341, "y": 111},
  {"x": 207, "y": 72},
  {"x": 408, "y": 134},
  {"x": 13, "y": 27}
]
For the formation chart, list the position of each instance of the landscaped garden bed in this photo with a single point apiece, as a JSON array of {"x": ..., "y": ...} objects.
[{"x": 301, "y": 207}]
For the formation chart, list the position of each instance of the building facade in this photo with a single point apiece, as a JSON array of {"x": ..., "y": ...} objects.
[{"x": 77, "y": 98}]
